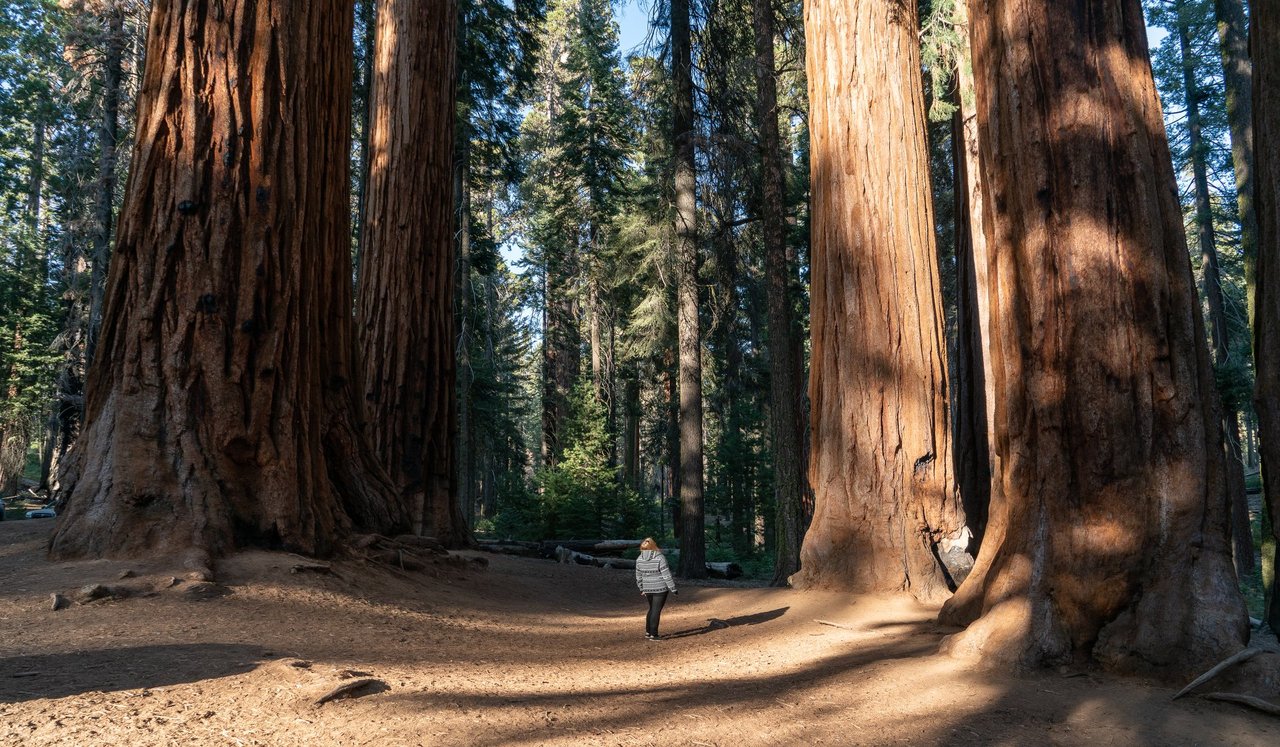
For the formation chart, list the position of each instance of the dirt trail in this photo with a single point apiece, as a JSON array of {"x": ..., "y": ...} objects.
[{"x": 525, "y": 653}]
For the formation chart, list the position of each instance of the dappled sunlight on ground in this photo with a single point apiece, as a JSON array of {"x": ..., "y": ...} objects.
[{"x": 527, "y": 652}]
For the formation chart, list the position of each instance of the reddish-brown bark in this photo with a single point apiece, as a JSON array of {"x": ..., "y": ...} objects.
[
  {"x": 220, "y": 406},
  {"x": 881, "y": 464},
  {"x": 971, "y": 378},
  {"x": 406, "y": 315},
  {"x": 1107, "y": 538},
  {"x": 1265, "y": 46}
]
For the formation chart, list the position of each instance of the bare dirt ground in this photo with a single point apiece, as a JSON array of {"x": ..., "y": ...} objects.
[{"x": 526, "y": 652}]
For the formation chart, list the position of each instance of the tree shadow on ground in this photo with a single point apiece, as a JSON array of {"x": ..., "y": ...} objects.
[
  {"x": 733, "y": 622},
  {"x": 946, "y": 702},
  {"x": 34, "y": 676}
]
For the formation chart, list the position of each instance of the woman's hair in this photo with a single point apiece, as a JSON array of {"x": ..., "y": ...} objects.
[{"x": 648, "y": 544}]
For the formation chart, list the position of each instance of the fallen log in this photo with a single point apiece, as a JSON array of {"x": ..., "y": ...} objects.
[
  {"x": 616, "y": 545},
  {"x": 565, "y": 554},
  {"x": 590, "y": 547},
  {"x": 523, "y": 549}
]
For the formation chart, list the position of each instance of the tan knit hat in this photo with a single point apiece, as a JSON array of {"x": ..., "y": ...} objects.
[{"x": 648, "y": 544}]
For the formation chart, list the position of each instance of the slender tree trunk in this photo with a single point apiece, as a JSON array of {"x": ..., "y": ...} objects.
[
  {"x": 35, "y": 190},
  {"x": 672, "y": 391},
  {"x": 1265, "y": 47},
  {"x": 1241, "y": 534},
  {"x": 467, "y": 477},
  {"x": 1237, "y": 73},
  {"x": 104, "y": 197},
  {"x": 221, "y": 405},
  {"x": 1106, "y": 424},
  {"x": 561, "y": 357},
  {"x": 786, "y": 414},
  {"x": 407, "y": 274},
  {"x": 631, "y": 430},
  {"x": 466, "y": 431},
  {"x": 692, "y": 540},
  {"x": 594, "y": 312},
  {"x": 882, "y": 467},
  {"x": 725, "y": 335}
]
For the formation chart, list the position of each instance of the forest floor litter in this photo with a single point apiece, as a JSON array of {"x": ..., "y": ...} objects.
[{"x": 525, "y": 652}]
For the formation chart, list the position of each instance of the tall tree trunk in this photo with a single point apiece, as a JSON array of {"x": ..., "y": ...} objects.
[
  {"x": 407, "y": 273},
  {"x": 972, "y": 379},
  {"x": 1108, "y": 537},
  {"x": 631, "y": 430},
  {"x": 725, "y": 335},
  {"x": 221, "y": 405},
  {"x": 786, "y": 415},
  {"x": 594, "y": 313},
  {"x": 692, "y": 539},
  {"x": 1241, "y": 535},
  {"x": 466, "y": 430},
  {"x": 35, "y": 190},
  {"x": 881, "y": 461},
  {"x": 1237, "y": 73},
  {"x": 561, "y": 356},
  {"x": 105, "y": 187},
  {"x": 1265, "y": 47},
  {"x": 672, "y": 391}
]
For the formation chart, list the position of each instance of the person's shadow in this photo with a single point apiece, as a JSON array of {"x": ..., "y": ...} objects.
[{"x": 733, "y": 622}]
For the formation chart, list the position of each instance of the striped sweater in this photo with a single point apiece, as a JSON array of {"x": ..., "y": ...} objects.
[{"x": 653, "y": 575}]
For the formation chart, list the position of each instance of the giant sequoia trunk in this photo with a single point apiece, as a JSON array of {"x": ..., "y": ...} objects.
[
  {"x": 881, "y": 461},
  {"x": 1265, "y": 46},
  {"x": 1107, "y": 538},
  {"x": 786, "y": 405},
  {"x": 692, "y": 540},
  {"x": 221, "y": 408},
  {"x": 972, "y": 377},
  {"x": 407, "y": 270}
]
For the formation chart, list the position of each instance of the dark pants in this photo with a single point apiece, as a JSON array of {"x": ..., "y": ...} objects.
[{"x": 655, "y": 612}]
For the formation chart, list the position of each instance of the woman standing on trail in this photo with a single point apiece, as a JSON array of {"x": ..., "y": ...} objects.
[{"x": 653, "y": 576}]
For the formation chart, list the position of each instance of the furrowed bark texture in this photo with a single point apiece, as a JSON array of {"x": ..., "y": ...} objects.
[
  {"x": 406, "y": 315},
  {"x": 786, "y": 406},
  {"x": 1265, "y": 47},
  {"x": 881, "y": 445},
  {"x": 692, "y": 539},
  {"x": 1110, "y": 539},
  {"x": 972, "y": 379},
  {"x": 221, "y": 408}
]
